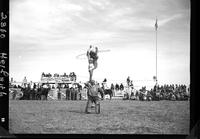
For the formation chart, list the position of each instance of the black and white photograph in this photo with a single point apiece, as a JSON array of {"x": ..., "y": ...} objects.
[{"x": 99, "y": 67}]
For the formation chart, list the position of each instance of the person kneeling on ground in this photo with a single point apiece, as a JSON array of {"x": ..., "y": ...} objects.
[{"x": 93, "y": 97}]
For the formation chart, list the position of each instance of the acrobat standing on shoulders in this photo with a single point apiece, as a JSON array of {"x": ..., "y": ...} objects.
[{"x": 92, "y": 55}]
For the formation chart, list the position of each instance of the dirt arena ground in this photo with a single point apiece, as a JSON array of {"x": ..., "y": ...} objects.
[{"x": 116, "y": 117}]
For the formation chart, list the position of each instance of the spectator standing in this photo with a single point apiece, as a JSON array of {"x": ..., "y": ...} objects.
[
  {"x": 112, "y": 86},
  {"x": 59, "y": 93},
  {"x": 55, "y": 93},
  {"x": 68, "y": 93},
  {"x": 24, "y": 83},
  {"x": 128, "y": 80},
  {"x": 80, "y": 95},
  {"x": 14, "y": 94},
  {"x": 76, "y": 93},
  {"x": 79, "y": 91},
  {"x": 72, "y": 93},
  {"x": 29, "y": 92}
]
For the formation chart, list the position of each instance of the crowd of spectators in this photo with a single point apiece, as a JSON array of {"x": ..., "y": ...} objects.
[
  {"x": 175, "y": 92},
  {"x": 163, "y": 92},
  {"x": 158, "y": 92},
  {"x": 40, "y": 91},
  {"x": 74, "y": 92}
]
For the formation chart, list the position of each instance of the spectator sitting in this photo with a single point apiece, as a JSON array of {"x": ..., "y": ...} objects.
[
  {"x": 121, "y": 87},
  {"x": 117, "y": 87}
]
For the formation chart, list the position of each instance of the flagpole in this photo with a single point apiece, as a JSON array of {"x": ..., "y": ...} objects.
[
  {"x": 156, "y": 27},
  {"x": 156, "y": 56}
]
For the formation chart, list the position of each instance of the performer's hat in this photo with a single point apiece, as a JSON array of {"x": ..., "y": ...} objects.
[{"x": 92, "y": 82}]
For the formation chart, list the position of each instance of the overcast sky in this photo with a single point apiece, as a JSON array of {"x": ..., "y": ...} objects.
[{"x": 47, "y": 35}]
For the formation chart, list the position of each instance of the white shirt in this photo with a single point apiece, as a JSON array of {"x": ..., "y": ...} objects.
[{"x": 93, "y": 49}]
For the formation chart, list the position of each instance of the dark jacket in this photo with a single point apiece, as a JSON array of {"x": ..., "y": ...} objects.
[{"x": 93, "y": 90}]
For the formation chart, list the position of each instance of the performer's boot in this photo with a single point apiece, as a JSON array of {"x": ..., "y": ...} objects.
[
  {"x": 87, "y": 107},
  {"x": 97, "y": 108}
]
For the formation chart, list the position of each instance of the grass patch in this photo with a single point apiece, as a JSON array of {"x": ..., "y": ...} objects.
[{"x": 116, "y": 117}]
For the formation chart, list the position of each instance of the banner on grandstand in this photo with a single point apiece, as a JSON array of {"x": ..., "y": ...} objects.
[{"x": 56, "y": 80}]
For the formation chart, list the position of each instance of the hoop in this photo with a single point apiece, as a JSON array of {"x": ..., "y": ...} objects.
[{"x": 83, "y": 55}]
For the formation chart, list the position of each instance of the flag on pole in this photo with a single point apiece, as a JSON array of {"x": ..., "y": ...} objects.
[{"x": 156, "y": 24}]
